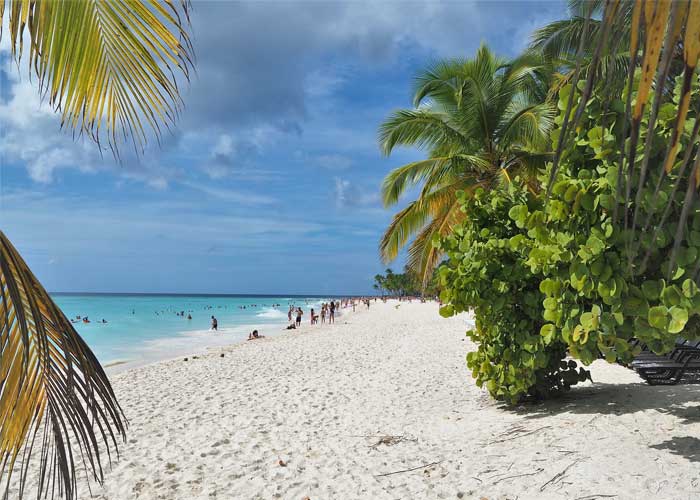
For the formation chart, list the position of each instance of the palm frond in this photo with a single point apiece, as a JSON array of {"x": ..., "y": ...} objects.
[
  {"x": 402, "y": 178},
  {"x": 423, "y": 255},
  {"x": 559, "y": 40},
  {"x": 51, "y": 387},
  {"x": 527, "y": 124},
  {"x": 477, "y": 119},
  {"x": 529, "y": 75},
  {"x": 419, "y": 128},
  {"x": 458, "y": 169},
  {"x": 108, "y": 67},
  {"x": 439, "y": 81},
  {"x": 403, "y": 225}
]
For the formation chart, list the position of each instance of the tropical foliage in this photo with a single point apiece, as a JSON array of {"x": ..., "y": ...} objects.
[
  {"x": 111, "y": 70},
  {"x": 549, "y": 276},
  {"x": 404, "y": 284},
  {"x": 607, "y": 258},
  {"x": 481, "y": 121},
  {"x": 487, "y": 274},
  {"x": 53, "y": 387},
  {"x": 559, "y": 43}
]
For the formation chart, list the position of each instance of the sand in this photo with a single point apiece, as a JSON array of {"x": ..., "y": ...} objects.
[{"x": 381, "y": 406}]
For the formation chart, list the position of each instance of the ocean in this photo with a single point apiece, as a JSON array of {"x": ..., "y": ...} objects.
[{"x": 141, "y": 328}]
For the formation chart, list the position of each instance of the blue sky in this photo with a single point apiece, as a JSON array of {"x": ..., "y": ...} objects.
[{"x": 270, "y": 183}]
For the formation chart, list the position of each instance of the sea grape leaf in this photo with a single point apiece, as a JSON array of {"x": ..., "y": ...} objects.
[
  {"x": 652, "y": 289},
  {"x": 658, "y": 317},
  {"x": 671, "y": 296},
  {"x": 679, "y": 317}
]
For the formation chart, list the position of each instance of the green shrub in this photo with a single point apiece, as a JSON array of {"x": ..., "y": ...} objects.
[
  {"x": 487, "y": 273},
  {"x": 564, "y": 272}
]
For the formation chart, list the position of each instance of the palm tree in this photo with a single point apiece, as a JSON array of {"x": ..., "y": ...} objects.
[
  {"x": 663, "y": 41},
  {"x": 110, "y": 69},
  {"x": 559, "y": 42},
  {"x": 482, "y": 122}
]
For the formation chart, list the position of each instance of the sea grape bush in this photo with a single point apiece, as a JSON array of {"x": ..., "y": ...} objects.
[
  {"x": 488, "y": 274},
  {"x": 551, "y": 274}
]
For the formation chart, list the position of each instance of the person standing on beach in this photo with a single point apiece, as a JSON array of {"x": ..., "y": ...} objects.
[
  {"x": 214, "y": 324},
  {"x": 300, "y": 313},
  {"x": 331, "y": 317},
  {"x": 289, "y": 313},
  {"x": 323, "y": 313}
]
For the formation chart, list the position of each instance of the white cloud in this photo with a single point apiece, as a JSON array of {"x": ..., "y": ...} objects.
[
  {"x": 31, "y": 136},
  {"x": 139, "y": 226},
  {"x": 349, "y": 195},
  {"x": 230, "y": 195},
  {"x": 334, "y": 161},
  {"x": 247, "y": 96},
  {"x": 232, "y": 153}
]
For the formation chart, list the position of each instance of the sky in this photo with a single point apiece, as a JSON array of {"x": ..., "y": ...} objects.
[{"x": 270, "y": 183}]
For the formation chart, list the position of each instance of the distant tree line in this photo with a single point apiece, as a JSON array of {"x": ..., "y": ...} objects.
[{"x": 404, "y": 284}]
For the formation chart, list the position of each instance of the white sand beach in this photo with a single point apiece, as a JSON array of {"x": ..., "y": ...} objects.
[{"x": 381, "y": 406}]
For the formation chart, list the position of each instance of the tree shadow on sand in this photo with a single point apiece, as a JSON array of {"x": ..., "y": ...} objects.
[
  {"x": 681, "y": 401},
  {"x": 684, "y": 446}
]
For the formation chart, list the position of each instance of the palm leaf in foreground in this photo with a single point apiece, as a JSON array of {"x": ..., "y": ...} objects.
[
  {"x": 52, "y": 389},
  {"x": 109, "y": 67}
]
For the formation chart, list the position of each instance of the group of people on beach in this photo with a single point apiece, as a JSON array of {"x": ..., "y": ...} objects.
[
  {"x": 294, "y": 314},
  {"x": 328, "y": 310}
]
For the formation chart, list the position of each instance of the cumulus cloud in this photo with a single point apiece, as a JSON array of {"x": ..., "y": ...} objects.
[
  {"x": 261, "y": 66},
  {"x": 254, "y": 74},
  {"x": 350, "y": 195},
  {"x": 233, "y": 153},
  {"x": 30, "y": 133}
]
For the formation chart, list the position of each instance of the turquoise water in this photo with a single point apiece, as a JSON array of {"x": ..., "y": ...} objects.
[{"x": 144, "y": 328}]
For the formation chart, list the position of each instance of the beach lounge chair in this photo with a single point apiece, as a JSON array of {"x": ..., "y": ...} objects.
[{"x": 671, "y": 368}]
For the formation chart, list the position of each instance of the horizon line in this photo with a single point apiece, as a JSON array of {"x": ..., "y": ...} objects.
[{"x": 171, "y": 294}]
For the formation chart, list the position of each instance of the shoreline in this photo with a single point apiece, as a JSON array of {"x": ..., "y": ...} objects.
[
  {"x": 381, "y": 405},
  {"x": 162, "y": 350}
]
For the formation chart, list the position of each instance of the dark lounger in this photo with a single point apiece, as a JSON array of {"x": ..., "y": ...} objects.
[{"x": 669, "y": 369}]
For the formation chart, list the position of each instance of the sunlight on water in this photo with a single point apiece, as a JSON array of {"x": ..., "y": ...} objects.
[{"x": 143, "y": 328}]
